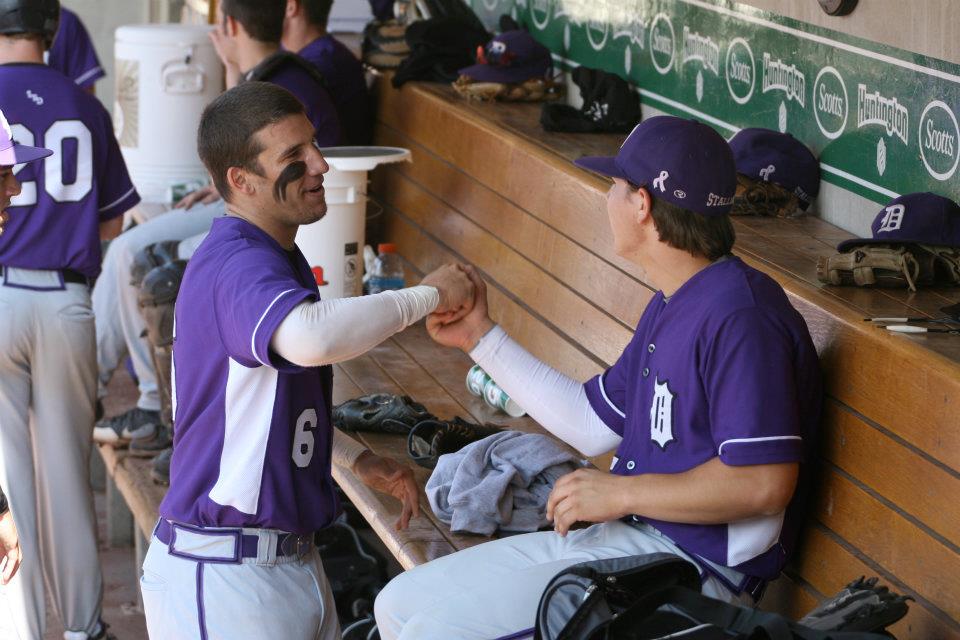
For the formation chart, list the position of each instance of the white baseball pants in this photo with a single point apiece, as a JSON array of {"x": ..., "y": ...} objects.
[
  {"x": 493, "y": 589},
  {"x": 48, "y": 385},
  {"x": 120, "y": 327},
  {"x": 186, "y": 597}
]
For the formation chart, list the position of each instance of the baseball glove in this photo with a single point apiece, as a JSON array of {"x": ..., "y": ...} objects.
[
  {"x": 860, "y": 606},
  {"x": 380, "y": 412},
  {"x": 871, "y": 266},
  {"x": 431, "y": 439},
  {"x": 761, "y": 198},
  {"x": 533, "y": 90},
  {"x": 946, "y": 264}
]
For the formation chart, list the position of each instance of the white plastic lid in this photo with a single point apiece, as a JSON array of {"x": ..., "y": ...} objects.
[
  {"x": 363, "y": 158},
  {"x": 164, "y": 34}
]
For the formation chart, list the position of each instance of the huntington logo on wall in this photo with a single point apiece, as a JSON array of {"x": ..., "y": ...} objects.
[{"x": 881, "y": 120}]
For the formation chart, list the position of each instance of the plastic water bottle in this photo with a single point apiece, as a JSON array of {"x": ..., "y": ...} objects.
[{"x": 387, "y": 270}]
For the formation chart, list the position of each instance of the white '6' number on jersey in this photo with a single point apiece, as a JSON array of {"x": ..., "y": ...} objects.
[
  {"x": 53, "y": 177},
  {"x": 303, "y": 438}
]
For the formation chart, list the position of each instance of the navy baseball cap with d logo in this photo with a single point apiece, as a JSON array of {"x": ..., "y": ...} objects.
[
  {"x": 682, "y": 161},
  {"x": 919, "y": 218}
]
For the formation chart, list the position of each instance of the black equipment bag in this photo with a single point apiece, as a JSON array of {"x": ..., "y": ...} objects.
[{"x": 655, "y": 596}]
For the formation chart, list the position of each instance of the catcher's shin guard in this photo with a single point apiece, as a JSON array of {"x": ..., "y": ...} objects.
[
  {"x": 150, "y": 257},
  {"x": 158, "y": 294}
]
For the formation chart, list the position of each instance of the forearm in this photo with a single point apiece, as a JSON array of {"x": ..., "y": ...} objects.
[
  {"x": 712, "y": 493},
  {"x": 556, "y": 401},
  {"x": 346, "y": 450},
  {"x": 111, "y": 228},
  {"x": 331, "y": 331}
]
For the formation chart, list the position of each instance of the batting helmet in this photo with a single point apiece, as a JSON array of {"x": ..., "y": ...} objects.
[{"x": 30, "y": 16}]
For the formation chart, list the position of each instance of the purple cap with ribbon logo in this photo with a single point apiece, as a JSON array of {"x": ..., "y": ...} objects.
[
  {"x": 12, "y": 153},
  {"x": 921, "y": 218},
  {"x": 771, "y": 156},
  {"x": 682, "y": 161},
  {"x": 511, "y": 58}
]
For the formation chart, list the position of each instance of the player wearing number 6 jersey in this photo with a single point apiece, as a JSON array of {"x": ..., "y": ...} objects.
[{"x": 49, "y": 253}]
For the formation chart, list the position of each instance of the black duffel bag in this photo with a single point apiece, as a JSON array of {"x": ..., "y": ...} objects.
[{"x": 656, "y": 596}]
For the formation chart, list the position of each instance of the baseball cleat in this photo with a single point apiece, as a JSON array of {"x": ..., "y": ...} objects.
[
  {"x": 120, "y": 430},
  {"x": 160, "y": 472},
  {"x": 153, "y": 444}
]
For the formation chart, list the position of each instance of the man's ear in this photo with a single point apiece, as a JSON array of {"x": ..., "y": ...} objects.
[
  {"x": 293, "y": 8},
  {"x": 643, "y": 205},
  {"x": 230, "y": 26},
  {"x": 239, "y": 181}
]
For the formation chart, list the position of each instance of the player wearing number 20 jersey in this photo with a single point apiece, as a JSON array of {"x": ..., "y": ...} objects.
[{"x": 54, "y": 222}]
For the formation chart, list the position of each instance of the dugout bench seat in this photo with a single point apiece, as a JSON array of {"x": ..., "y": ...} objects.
[{"x": 488, "y": 187}]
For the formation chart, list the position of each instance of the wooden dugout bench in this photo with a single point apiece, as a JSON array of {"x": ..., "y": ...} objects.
[{"x": 488, "y": 187}]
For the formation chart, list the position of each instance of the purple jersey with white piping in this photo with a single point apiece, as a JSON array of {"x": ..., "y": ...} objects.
[
  {"x": 72, "y": 53},
  {"x": 346, "y": 84},
  {"x": 54, "y": 222},
  {"x": 725, "y": 367},
  {"x": 253, "y": 436}
]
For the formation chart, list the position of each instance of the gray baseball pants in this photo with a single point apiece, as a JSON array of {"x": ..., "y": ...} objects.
[{"x": 48, "y": 384}]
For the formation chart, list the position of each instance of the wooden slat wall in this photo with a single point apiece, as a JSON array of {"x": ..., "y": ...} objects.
[{"x": 488, "y": 188}]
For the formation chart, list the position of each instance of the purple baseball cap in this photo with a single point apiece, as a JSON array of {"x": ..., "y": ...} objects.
[
  {"x": 511, "y": 57},
  {"x": 12, "y": 153},
  {"x": 771, "y": 156},
  {"x": 921, "y": 218},
  {"x": 682, "y": 161}
]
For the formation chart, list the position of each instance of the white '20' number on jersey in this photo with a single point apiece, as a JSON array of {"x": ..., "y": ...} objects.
[
  {"x": 303, "y": 438},
  {"x": 53, "y": 178}
]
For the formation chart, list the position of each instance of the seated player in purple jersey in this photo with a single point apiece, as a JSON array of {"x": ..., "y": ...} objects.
[
  {"x": 305, "y": 31},
  {"x": 50, "y": 252},
  {"x": 250, "y": 479},
  {"x": 711, "y": 410},
  {"x": 73, "y": 53}
]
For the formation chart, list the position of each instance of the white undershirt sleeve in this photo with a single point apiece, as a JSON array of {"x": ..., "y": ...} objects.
[
  {"x": 557, "y": 402},
  {"x": 330, "y": 331},
  {"x": 346, "y": 450}
]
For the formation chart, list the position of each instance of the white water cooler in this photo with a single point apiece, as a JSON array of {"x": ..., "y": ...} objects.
[
  {"x": 334, "y": 246},
  {"x": 166, "y": 75}
]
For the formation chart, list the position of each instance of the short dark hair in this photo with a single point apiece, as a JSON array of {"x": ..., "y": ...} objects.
[
  {"x": 318, "y": 11},
  {"x": 711, "y": 237},
  {"x": 262, "y": 19},
  {"x": 227, "y": 134}
]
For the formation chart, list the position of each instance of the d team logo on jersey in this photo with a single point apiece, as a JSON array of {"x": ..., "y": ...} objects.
[
  {"x": 701, "y": 49},
  {"x": 740, "y": 70},
  {"x": 875, "y": 109},
  {"x": 780, "y": 76},
  {"x": 830, "y": 102},
  {"x": 939, "y": 138},
  {"x": 661, "y": 414}
]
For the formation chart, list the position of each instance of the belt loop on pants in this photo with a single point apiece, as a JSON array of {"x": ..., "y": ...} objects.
[{"x": 230, "y": 545}]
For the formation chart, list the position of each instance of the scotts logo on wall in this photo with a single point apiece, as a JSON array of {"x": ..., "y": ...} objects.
[
  {"x": 939, "y": 137},
  {"x": 830, "y": 102},
  {"x": 881, "y": 120},
  {"x": 662, "y": 43}
]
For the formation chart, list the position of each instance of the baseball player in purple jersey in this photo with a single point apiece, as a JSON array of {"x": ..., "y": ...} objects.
[
  {"x": 232, "y": 555},
  {"x": 49, "y": 253},
  {"x": 305, "y": 31},
  {"x": 710, "y": 408},
  {"x": 248, "y": 41},
  {"x": 10, "y": 154},
  {"x": 73, "y": 54}
]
